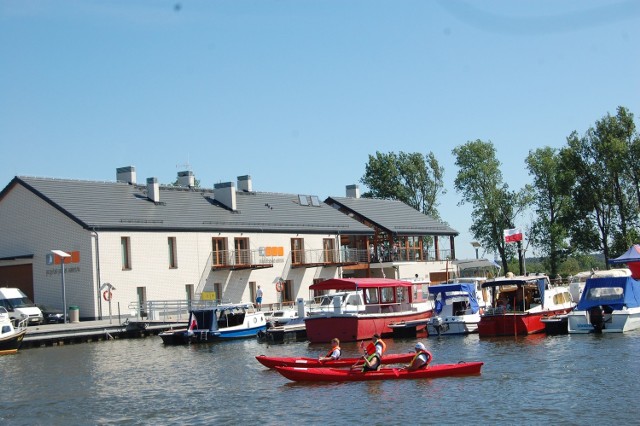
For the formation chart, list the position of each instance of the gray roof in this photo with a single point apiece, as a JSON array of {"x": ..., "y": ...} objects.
[
  {"x": 122, "y": 206},
  {"x": 395, "y": 217}
]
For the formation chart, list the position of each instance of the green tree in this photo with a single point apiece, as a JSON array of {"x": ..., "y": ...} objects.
[
  {"x": 606, "y": 194},
  {"x": 495, "y": 207},
  {"x": 592, "y": 217},
  {"x": 412, "y": 178},
  {"x": 552, "y": 200}
]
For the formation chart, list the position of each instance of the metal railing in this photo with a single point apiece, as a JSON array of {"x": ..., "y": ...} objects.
[
  {"x": 222, "y": 258},
  {"x": 324, "y": 256}
]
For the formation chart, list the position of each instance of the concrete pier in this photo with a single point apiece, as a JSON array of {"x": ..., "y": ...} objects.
[{"x": 91, "y": 331}]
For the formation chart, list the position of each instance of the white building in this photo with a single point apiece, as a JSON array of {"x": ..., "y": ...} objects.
[{"x": 158, "y": 243}]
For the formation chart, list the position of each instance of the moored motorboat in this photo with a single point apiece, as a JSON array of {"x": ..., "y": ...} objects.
[
  {"x": 610, "y": 304},
  {"x": 457, "y": 308},
  {"x": 362, "y": 307},
  {"x": 272, "y": 362},
  {"x": 218, "y": 322},
  {"x": 607, "y": 305},
  {"x": 11, "y": 336},
  {"x": 303, "y": 374},
  {"x": 520, "y": 302}
]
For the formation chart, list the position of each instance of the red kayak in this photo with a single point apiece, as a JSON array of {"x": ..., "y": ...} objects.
[
  {"x": 299, "y": 374},
  {"x": 272, "y": 362}
]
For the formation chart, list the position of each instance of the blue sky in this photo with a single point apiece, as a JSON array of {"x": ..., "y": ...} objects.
[{"x": 298, "y": 93}]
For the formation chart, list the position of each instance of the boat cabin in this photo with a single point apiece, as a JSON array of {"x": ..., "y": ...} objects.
[{"x": 221, "y": 316}]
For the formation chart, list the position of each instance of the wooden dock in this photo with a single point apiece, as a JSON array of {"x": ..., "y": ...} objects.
[{"x": 92, "y": 331}]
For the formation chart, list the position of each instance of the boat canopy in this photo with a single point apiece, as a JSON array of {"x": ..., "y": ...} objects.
[
  {"x": 616, "y": 292},
  {"x": 356, "y": 283},
  {"x": 540, "y": 282},
  {"x": 632, "y": 258},
  {"x": 442, "y": 292}
]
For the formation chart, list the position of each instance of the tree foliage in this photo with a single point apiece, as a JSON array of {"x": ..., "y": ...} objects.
[
  {"x": 412, "y": 178},
  {"x": 495, "y": 207},
  {"x": 552, "y": 202},
  {"x": 605, "y": 192}
]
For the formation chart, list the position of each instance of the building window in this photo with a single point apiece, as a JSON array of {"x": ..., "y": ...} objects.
[
  {"x": 220, "y": 257},
  {"x": 243, "y": 254},
  {"x": 217, "y": 289},
  {"x": 297, "y": 251},
  {"x": 173, "y": 254},
  {"x": 125, "y": 245}
]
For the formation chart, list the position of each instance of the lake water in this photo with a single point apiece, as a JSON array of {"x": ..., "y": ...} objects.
[{"x": 527, "y": 380}]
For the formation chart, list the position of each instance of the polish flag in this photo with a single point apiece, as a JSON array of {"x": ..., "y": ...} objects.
[
  {"x": 193, "y": 325},
  {"x": 513, "y": 235}
]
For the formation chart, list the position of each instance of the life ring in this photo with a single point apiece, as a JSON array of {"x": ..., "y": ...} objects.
[
  {"x": 279, "y": 287},
  {"x": 106, "y": 295}
]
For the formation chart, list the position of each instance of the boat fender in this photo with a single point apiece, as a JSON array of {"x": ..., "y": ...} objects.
[
  {"x": 255, "y": 319},
  {"x": 106, "y": 295}
]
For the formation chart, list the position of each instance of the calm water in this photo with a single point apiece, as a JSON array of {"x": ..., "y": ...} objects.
[{"x": 530, "y": 380}]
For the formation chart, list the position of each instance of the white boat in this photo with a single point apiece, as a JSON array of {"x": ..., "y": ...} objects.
[
  {"x": 607, "y": 305},
  {"x": 10, "y": 336},
  {"x": 577, "y": 281},
  {"x": 218, "y": 322},
  {"x": 287, "y": 316},
  {"x": 457, "y": 307}
]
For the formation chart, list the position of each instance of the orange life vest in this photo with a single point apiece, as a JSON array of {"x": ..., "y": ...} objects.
[
  {"x": 428, "y": 355},
  {"x": 328, "y": 355}
]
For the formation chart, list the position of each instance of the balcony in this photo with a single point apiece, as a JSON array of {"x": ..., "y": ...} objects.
[
  {"x": 241, "y": 259},
  {"x": 323, "y": 257}
]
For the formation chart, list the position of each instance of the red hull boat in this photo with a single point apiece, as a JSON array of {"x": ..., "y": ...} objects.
[
  {"x": 299, "y": 374},
  {"x": 272, "y": 362},
  {"x": 362, "y": 307}
]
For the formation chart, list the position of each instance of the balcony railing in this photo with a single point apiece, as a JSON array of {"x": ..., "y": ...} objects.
[
  {"x": 409, "y": 255},
  {"x": 241, "y": 259},
  {"x": 324, "y": 257}
]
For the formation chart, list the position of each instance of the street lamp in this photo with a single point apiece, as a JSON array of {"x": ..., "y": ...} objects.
[
  {"x": 62, "y": 255},
  {"x": 476, "y": 245}
]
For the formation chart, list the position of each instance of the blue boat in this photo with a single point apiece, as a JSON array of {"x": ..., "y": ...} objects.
[
  {"x": 607, "y": 305},
  {"x": 218, "y": 322},
  {"x": 457, "y": 310}
]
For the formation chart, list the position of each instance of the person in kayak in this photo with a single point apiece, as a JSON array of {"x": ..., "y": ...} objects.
[
  {"x": 334, "y": 353},
  {"x": 421, "y": 360},
  {"x": 373, "y": 361}
]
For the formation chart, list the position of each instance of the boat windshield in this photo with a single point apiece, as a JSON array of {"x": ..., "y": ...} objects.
[{"x": 605, "y": 293}]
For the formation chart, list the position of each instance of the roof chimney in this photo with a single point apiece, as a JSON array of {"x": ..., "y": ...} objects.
[
  {"x": 244, "y": 183},
  {"x": 126, "y": 174},
  {"x": 186, "y": 179},
  {"x": 153, "y": 189},
  {"x": 225, "y": 193},
  {"x": 353, "y": 191}
]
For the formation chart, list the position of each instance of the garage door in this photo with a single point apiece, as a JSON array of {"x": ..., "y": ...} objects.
[{"x": 20, "y": 276}]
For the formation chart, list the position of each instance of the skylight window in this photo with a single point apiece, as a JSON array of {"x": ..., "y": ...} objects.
[
  {"x": 302, "y": 199},
  {"x": 315, "y": 201}
]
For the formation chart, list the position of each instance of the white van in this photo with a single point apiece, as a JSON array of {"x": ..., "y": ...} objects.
[{"x": 19, "y": 306}]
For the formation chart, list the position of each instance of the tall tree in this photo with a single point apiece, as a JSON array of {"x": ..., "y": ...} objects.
[
  {"x": 552, "y": 200},
  {"x": 412, "y": 178},
  {"x": 495, "y": 207},
  {"x": 592, "y": 218},
  {"x": 606, "y": 193}
]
